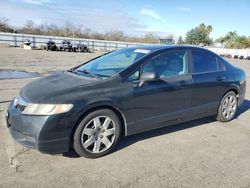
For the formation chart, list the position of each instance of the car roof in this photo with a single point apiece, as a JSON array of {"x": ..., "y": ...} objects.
[{"x": 156, "y": 47}]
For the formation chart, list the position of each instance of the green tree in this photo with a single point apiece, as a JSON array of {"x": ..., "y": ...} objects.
[
  {"x": 248, "y": 42},
  {"x": 180, "y": 40},
  {"x": 230, "y": 39},
  {"x": 233, "y": 40},
  {"x": 241, "y": 42},
  {"x": 221, "y": 40},
  {"x": 199, "y": 35}
]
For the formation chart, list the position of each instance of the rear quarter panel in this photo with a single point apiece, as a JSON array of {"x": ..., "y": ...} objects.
[{"x": 237, "y": 79}]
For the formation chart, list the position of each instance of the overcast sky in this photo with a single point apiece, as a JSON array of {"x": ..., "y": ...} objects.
[{"x": 134, "y": 16}]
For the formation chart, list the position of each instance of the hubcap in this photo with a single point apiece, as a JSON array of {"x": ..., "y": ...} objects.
[
  {"x": 99, "y": 134},
  {"x": 229, "y": 106}
]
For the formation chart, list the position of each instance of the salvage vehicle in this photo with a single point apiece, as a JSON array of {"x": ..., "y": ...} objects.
[
  {"x": 51, "y": 45},
  {"x": 27, "y": 42},
  {"x": 128, "y": 91},
  {"x": 66, "y": 45},
  {"x": 79, "y": 47}
]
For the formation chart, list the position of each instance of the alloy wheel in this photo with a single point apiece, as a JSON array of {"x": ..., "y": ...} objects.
[
  {"x": 98, "y": 135},
  {"x": 229, "y": 106}
]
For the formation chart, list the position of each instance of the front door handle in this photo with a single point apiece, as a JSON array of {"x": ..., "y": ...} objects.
[{"x": 221, "y": 78}]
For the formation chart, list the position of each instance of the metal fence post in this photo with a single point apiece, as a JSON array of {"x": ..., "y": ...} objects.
[
  {"x": 93, "y": 45},
  {"x": 15, "y": 41},
  {"x": 34, "y": 42}
]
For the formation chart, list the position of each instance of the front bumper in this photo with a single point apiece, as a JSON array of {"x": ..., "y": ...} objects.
[{"x": 47, "y": 134}]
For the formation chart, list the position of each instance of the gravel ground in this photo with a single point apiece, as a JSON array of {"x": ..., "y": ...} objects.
[{"x": 202, "y": 153}]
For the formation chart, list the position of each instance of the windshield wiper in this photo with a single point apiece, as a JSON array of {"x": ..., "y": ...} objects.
[
  {"x": 90, "y": 73},
  {"x": 70, "y": 70}
]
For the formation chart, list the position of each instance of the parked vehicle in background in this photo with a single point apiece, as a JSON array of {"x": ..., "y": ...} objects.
[
  {"x": 247, "y": 57},
  {"x": 27, "y": 42},
  {"x": 79, "y": 47},
  {"x": 66, "y": 46},
  {"x": 51, "y": 45},
  {"x": 128, "y": 91}
]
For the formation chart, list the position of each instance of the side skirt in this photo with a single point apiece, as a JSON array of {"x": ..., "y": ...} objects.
[{"x": 173, "y": 118}]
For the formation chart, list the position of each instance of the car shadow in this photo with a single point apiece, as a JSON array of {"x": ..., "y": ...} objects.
[
  {"x": 130, "y": 140},
  {"x": 71, "y": 154},
  {"x": 127, "y": 141},
  {"x": 243, "y": 108}
]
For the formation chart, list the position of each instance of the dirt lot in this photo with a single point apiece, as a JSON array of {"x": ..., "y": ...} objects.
[{"x": 202, "y": 153}]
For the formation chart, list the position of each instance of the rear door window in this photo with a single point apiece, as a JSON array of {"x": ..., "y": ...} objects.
[
  {"x": 221, "y": 65},
  {"x": 204, "y": 62}
]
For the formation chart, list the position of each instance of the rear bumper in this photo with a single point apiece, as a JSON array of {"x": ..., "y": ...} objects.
[{"x": 47, "y": 134}]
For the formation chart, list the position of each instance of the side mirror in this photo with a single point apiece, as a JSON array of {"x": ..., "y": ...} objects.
[{"x": 147, "y": 77}]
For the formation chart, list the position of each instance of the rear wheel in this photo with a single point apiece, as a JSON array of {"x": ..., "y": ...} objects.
[
  {"x": 228, "y": 107},
  {"x": 97, "y": 134}
]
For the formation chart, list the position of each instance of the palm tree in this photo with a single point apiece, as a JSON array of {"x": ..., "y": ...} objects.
[
  {"x": 209, "y": 29},
  {"x": 231, "y": 38}
]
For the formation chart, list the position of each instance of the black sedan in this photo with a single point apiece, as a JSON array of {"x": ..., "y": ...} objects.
[{"x": 128, "y": 91}]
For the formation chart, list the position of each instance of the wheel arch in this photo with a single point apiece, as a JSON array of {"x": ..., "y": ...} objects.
[
  {"x": 219, "y": 115},
  {"x": 84, "y": 113},
  {"x": 233, "y": 88}
]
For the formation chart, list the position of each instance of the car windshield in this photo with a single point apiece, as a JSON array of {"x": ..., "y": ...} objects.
[{"x": 111, "y": 63}]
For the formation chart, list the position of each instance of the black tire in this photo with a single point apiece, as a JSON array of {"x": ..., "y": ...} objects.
[
  {"x": 77, "y": 138},
  {"x": 220, "y": 117}
]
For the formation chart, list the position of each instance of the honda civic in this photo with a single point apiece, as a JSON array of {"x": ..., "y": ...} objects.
[{"x": 124, "y": 92}]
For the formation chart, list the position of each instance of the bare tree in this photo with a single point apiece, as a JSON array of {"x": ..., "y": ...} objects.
[{"x": 4, "y": 26}]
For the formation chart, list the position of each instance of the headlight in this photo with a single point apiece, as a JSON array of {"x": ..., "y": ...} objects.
[{"x": 46, "y": 109}]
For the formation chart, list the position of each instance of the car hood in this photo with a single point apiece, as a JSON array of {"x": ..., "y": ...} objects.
[{"x": 48, "y": 89}]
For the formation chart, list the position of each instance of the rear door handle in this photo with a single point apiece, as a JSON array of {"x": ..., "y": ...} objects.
[{"x": 221, "y": 78}]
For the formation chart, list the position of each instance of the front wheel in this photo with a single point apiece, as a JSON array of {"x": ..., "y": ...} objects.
[
  {"x": 228, "y": 107},
  {"x": 97, "y": 134}
]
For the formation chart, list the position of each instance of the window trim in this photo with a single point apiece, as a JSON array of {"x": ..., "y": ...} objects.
[{"x": 139, "y": 68}]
